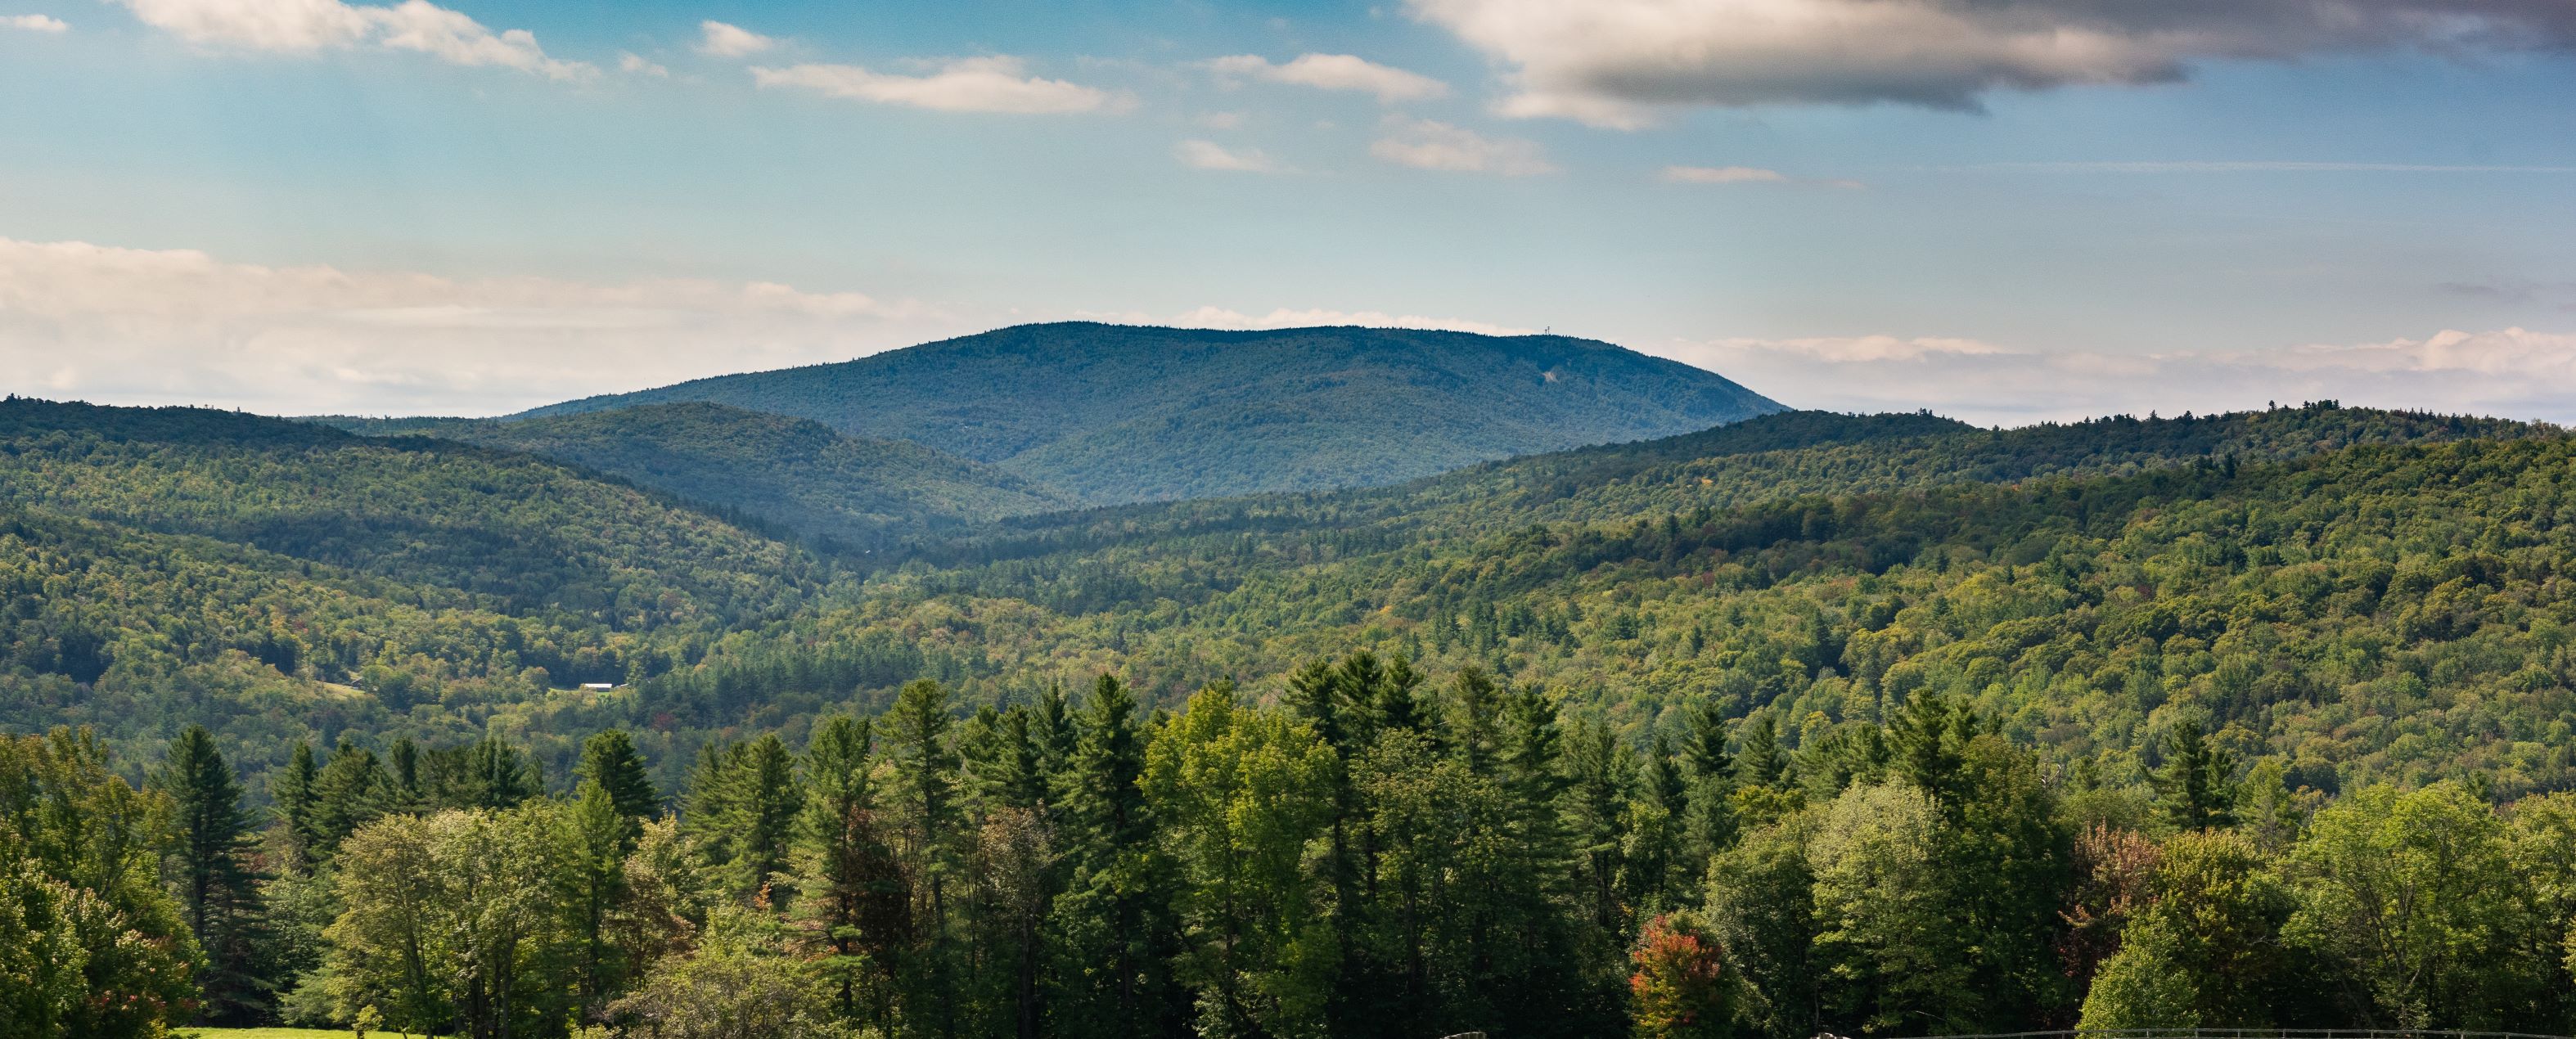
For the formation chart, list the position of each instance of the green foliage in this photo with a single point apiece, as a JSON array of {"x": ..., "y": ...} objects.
[
  {"x": 458, "y": 922},
  {"x": 742, "y": 985},
  {"x": 1906, "y": 707},
  {"x": 1239, "y": 794},
  {"x": 2408, "y": 894},
  {"x": 796, "y": 474},
  {"x": 91, "y": 944}
]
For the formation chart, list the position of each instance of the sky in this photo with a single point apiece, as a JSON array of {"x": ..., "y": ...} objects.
[{"x": 2003, "y": 210}]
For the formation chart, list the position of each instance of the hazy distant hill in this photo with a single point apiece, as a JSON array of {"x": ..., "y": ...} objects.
[
  {"x": 1116, "y": 413},
  {"x": 791, "y": 472}
]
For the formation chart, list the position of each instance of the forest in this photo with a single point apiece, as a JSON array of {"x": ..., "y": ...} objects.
[
  {"x": 1379, "y": 852},
  {"x": 1877, "y": 725}
]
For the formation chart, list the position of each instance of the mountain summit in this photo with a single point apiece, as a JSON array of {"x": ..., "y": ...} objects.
[{"x": 1121, "y": 413}]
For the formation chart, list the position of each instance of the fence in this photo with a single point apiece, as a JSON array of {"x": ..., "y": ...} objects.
[{"x": 2240, "y": 1033}]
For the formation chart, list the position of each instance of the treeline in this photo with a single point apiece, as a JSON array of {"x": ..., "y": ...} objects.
[{"x": 1364, "y": 851}]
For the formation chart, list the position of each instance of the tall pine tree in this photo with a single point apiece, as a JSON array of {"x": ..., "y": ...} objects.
[{"x": 212, "y": 858}]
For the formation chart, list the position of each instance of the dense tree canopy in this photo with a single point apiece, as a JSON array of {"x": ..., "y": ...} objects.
[{"x": 1869, "y": 725}]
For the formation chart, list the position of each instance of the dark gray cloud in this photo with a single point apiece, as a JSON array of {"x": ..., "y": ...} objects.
[{"x": 1612, "y": 62}]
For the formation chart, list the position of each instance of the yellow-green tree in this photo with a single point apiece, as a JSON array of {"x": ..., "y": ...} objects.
[{"x": 1242, "y": 792}]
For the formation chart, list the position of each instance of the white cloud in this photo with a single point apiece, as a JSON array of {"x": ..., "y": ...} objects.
[
  {"x": 716, "y": 39},
  {"x": 1741, "y": 175},
  {"x": 143, "y": 325},
  {"x": 1209, "y": 155},
  {"x": 35, "y": 23},
  {"x": 1616, "y": 62},
  {"x": 2513, "y": 372},
  {"x": 635, "y": 63},
  {"x": 1723, "y": 175},
  {"x": 304, "y": 26},
  {"x": 1425, "y": 144},
  {"x": 1285, "y": 317},
  {"x": 995, "y": 84},
  {"x": 1334, "y": 72}
]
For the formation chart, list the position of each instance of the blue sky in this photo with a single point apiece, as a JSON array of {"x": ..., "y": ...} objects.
[{"x": 2004, "y": 210}]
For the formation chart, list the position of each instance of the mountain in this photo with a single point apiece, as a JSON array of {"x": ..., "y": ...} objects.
[
  {"x": 796, "y": 474},
  {"x": 1118, "y": 413}
]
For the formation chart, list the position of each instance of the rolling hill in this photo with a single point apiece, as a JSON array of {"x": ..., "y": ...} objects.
[
  {"x": 794, "y": 474},
  {"x": 2356, "y": 593},
  {"x": 1114, "y": 413}
]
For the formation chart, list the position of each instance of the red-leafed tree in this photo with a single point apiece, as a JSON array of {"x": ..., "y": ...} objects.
[{"x": 1681, "y": 988}]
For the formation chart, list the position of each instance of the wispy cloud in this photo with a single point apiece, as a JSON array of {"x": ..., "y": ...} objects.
[
  {"x": 1294, "y": 317},
  {"x": 1209, "y": 155},
  {"x": 1742, "y": 175},
  {"x": 992, "y": 84},
  {"x": 719, "y": 40},
  {"x": 635, "y": 63},
  {"x": 1334, "y": 72},
  {"x": 1429, "y": 145},
  {"x": 34, "y": 23},
  {"x": 175, "y": 325},
  {"x": 306, "y": 26},
  {"x": 2512, "y": 372}
]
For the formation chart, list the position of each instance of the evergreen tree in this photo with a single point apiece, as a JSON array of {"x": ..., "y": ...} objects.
[
  {"x": 766, "y": 802},
  {"x": 853, "y": 902},
  {"x": 212, "y": 858},
  {"x": 1601, "y": 772},
  {"x": 1051, "y": 729},
  {"x": 487, "y": 773},
  {"x": 1396, "y": 707},
  {"x": 601, "y": 836},
  {"x": 1708, "y": 823},
  {"x": 402, "y": 759},
  {"x": 1476, "y": 719},
  {"x": 609, "y": 759},
  {"x": 352, "y": 789},
  {"x": 292, "y": 791},
  {"x": 1761, "y": 762},
  {"x": 1112, "y": 935},
  {"x": 2194, "y": 790},
  {"x": 1651, "y": 828},
  {"x": 925, "y": 778},
  {"x": 707, "y": 802}
]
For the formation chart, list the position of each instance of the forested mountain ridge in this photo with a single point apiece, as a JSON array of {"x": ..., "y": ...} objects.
[
  {"x": 1116, "y": 413},
  {"x": 796, "y": 474},
  {"x": 432, "y": 577},
  {"x": 1872, "y": 725}
]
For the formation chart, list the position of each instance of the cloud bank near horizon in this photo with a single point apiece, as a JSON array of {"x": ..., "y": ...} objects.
[
  {"x": 2509, "y": 373},
  {"x": 178, "y": 326}
]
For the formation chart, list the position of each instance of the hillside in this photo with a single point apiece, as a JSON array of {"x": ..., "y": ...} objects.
[
  {"x": 276, "y": 578},
  {"x": 1116, "y": 413},
  {"x": 280, "y": 580},
  {"x": 795, "y": 474}
]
